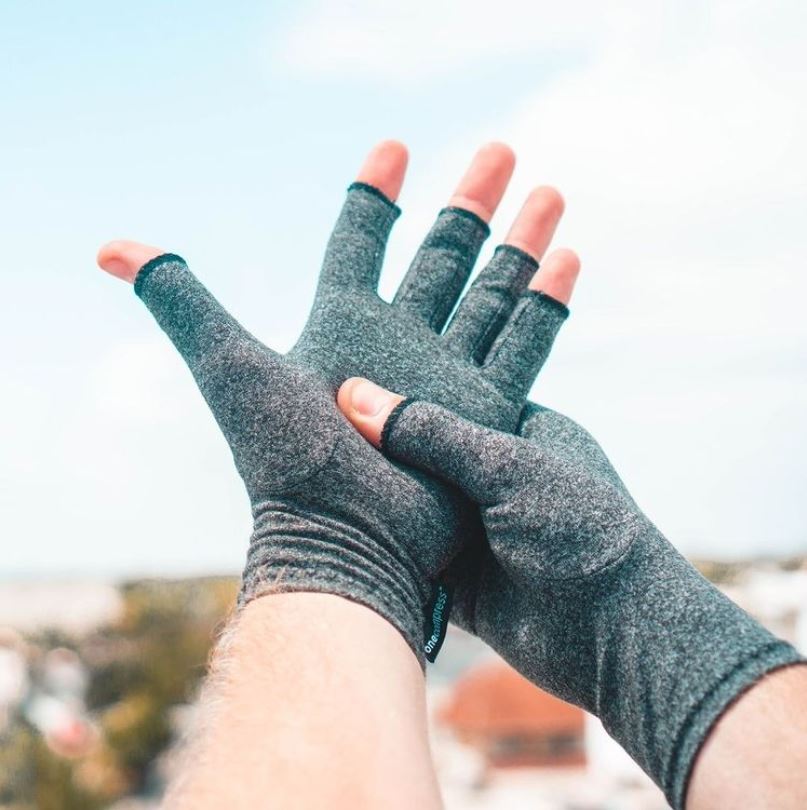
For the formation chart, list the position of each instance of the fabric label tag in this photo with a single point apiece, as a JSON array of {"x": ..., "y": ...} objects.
[{"x": 437, "y": 620}]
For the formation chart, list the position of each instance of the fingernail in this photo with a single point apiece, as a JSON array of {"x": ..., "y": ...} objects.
[{"x": 368, "y": 399}]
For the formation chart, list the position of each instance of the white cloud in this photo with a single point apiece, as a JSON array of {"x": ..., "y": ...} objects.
[{"x": 415, "y": 41}]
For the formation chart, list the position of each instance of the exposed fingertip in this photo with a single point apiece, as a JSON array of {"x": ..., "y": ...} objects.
[
  {"x": 106, "y": 251},
  {"x": 343, "y": 394},
  {"x": 393, "y": 147},
  {"x": 483, "y": 185},
  {"x": 385, "y": 168},
  {"x": 557, "y": 275},
  {"x": 534, "y": 226},
  {"x": 367, "y": 406},
  {"x": 503, "y": 153},
  {"x": 550, "y": 198},
  {"x": 123, "y": 259},
  {"x": 565, "y": 256}
]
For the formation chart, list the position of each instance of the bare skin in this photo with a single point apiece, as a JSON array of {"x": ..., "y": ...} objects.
[
  {"x": 480, "y": 191},
  {"x": 314, "y": 701},
  {"x": 756, "y": 754}
]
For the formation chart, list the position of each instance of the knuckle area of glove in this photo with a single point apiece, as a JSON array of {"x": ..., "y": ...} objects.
[
  {"x": 411, "y": 355},
  {"x": 289, "y": 471},
  {"x": 358, "y": 334}
]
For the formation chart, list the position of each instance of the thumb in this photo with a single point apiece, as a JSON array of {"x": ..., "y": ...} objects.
[
  {"x": 367, "y": 406},
  {"x": 425, "y": 435}
]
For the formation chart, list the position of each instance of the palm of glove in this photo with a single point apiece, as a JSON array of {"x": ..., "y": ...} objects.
[{"x": 291, "y": 447}]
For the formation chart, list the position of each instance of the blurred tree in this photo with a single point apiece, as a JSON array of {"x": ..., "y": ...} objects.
[{"x": 141, "y": 667}]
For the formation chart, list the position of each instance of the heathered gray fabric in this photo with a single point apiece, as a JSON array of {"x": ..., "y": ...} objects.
[
  {"x": 486, "y": 307},
  {"x": 330, "y": 513},
  {"x": 580, "y": 592},
  {"x": 352, "y": 331},
  {"x": 628, "y": 639}
]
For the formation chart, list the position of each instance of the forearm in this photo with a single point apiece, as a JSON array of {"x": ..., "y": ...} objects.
[
  {"x": 313, "y": 701},
  {"x": 756, "y": 754},
  {"x": 659, "y": 654},
  {"x": 674, "y": 653}
]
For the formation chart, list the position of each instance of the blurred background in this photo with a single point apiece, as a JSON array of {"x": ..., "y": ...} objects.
[{"x": 228, "y": 133}]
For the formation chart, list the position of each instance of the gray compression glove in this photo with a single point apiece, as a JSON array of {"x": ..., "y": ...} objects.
[
  {"x": 482, "y": 365},
  {"x": 330, "y": 514},
  {"x": 580, "y": 591}
]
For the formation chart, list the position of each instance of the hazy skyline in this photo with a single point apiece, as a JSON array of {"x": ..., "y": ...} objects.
[{"x": 675, "y": 131}]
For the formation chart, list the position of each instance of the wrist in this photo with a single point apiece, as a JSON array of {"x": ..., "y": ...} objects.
[
  {"x": 290, "y": 684},
  {"x": 689, "y": 653},
  {"x": 289, "y": 556}
]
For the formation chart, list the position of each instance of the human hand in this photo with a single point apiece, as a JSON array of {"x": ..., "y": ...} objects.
[
  {"x": 264, "y": 403},
  {"x": 578, "y": 589},
  {"x": 321, "y": 498}
]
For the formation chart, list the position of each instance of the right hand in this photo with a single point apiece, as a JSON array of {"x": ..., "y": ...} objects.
[
  {"x": 576, "y": 587},
  {"x": 556, "y": 526}
]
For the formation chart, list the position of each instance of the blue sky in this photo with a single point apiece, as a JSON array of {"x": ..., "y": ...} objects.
[{"x": 228, "y": 132}]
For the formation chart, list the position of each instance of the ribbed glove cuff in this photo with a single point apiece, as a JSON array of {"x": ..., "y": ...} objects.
[{"x": 338, "y": 560}]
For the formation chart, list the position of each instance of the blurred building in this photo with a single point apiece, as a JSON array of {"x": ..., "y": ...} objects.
[
  {"x": 55, "y": 703},
  {"x": 75, "y": 607},
  {"x": 511, "y": 722},
  {"x": 14, "y": 681}
]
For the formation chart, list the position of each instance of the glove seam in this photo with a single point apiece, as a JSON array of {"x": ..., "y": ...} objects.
[
  {"x": 528, "y": 296},
  {"x": 151, "y": 265},
  {"x": 606, "y": 567},
  {"x": 295, "y": 482},
  {"x": 483, "y": 337},
  {"x": 358, "y": 185},
  {"x": 506, "y": 331},
  {"x": 589, "y": 576},
  {"x": 438, "y": 314},
  {"x": 391, "y": 421},
  {"x": 507, "y": 302}
]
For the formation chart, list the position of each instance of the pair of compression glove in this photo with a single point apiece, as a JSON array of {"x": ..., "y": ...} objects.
[{"x": 512, "y": 505}]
